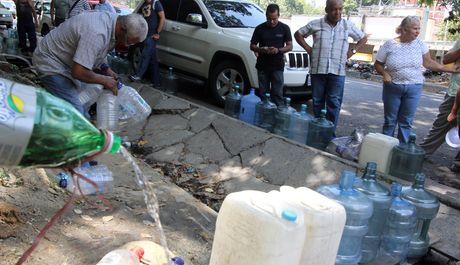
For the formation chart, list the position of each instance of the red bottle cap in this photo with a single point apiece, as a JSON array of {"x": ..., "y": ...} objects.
[{"x": 138, "y": 252}]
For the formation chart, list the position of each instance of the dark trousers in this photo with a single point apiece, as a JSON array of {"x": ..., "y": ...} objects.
[
  {"x": 27, "y": 28},
  {"x": 149, "y": 58},
  {"x": 440, "y": 127}
]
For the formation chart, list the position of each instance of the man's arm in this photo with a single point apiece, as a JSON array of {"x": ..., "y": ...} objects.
[
  {"x": 301, "y": 41},
  {"x": 286, "y": 48},
  {"x": 33, "y": 12},
  {"x": 52, "y": 10},
  {"x": 358, "y": 46},
  {"x": 81, "y": 73},
  {"x": 161, "y": 22},
  {"x": 451, "y": 57}
]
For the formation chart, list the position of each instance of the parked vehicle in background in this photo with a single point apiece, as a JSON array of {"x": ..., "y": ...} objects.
[
  {"x": 6, "y": 16},
  {"x": 10, "y": 5},
  {"x": 210, "y": 40},
  {"x": 43, "y": 9}
]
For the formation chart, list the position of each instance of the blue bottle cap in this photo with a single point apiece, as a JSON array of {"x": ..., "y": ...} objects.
[
  {"x": 289, "y": 215},
  {"x": 178, "y": 261}
]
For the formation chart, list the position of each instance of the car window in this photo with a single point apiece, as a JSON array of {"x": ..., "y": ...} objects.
[
  {"x": 229, "y": 14},
  {"x": 187, "y": 7},
  {"x": 2, "y": 6},
  {"x": 170, "y": 8}
]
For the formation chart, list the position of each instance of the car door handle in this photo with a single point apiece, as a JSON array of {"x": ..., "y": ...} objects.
[{"x": 175, "y": 28}]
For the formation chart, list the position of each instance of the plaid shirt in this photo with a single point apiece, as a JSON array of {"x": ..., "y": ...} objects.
[{"x": 330, "y": 44}]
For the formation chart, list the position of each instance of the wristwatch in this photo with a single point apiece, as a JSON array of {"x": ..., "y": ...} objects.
[{"x": 354, "y": 51}]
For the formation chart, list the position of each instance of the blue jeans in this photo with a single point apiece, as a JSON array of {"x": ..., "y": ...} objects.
[
  {"x": 27, "y": 29},
  {"x": 328, "y": 92},
  {"x": 399, "y": 105},
  {"x": 62, "y": 87},
  {"x": 149, "y": 57},
  {"x": 276, "y": 80}
]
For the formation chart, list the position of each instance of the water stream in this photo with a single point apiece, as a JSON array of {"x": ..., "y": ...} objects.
[{"x": 150, "y": 200}]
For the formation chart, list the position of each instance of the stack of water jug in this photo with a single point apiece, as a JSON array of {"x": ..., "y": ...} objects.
[
  {"x": 356, "y": 221},
  {"x": 119, "y": 63},
  {"x": 9, "y": 41},
  {"x": 282, "y": 120}
]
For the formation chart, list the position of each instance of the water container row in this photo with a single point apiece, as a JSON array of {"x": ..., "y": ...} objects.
[
  {"x": 119, "y": 63},
  {"x": 282, "y": 120},
  {"x": 380, "y": 224},
  {"x": 114, "y": 112},
  {"x": 402, "y": 160},
  {"x": 9, "y": 41}
]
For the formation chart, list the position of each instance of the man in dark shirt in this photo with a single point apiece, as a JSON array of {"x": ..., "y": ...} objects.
[
  {"x": 270, "y": 41},
  {"x": 26, "y": 17},
  {"x": 152, "y": 10}
]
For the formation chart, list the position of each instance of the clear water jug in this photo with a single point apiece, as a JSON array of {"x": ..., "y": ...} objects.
[
  {"x": 233, "y": 102},
  {"x": 100, "y": 174},
  {"x": 399, "y": 228},
  {"x": 359, "y": 210},
  {"x": 320, "y": 132},
  {"x": 170, "y": 81},
  {"x": 133, "y": 108},
  {"x": 248, "y": 107},
  {"x": 254, "y": 227},
  {"x": 89, "y": 94},
  {"x": 325, "y": 220},
  {"x": 122, "y": 257},
  {"x": 265, "y": 114},
  {"x": 427, "y": 206},
  {"x": 377, "y": 147},
  {"x": 381, "y": 199},
  {"x": 283, "y": 118},
  {"x": 298, "y": 128},
  {"x": 407, "y": 159},
  {"x": 107, "y": 111}
]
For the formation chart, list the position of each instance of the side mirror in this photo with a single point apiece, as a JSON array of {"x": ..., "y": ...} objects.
[{"x": 195, "y": 19}]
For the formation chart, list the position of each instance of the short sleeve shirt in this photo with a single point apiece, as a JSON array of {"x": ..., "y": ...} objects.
[
  {"x": 403, "y": 61},
  {"x": 85, "y": 39},
  {"x": 277, "y": 37},
  {"x": 150, "y": 13},
  {"x": 330, "y": 44},
  {"x": 455, "y": 78}
]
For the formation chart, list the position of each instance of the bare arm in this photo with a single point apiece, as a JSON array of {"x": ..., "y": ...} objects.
[
  {"x": 380, "y": 68},
  {"x": 301, "y": 41},
  {"x": 358, "y": 46},
  {"x": 52, "y": 10},
  {"x": 453, "y": 113},
  {"x": 451, "y": 57},
  {"x": 429, "y": 63},
  {"x": 33, "y": 12},
  {"x": 81, "y": 73}
]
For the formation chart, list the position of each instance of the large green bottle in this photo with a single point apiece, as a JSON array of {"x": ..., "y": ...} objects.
[{"x": 39, "y": 129}]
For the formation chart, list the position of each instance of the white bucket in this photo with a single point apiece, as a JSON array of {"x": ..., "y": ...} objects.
[
  {"x": 376, "y": 147},
  {"x": 324, "y": 221},
  {"x": 254, "y": 227}
]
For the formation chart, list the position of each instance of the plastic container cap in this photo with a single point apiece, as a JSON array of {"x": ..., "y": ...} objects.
[
  {"x": 452, "y": 138},
  {"x": 289, "y": 216}
]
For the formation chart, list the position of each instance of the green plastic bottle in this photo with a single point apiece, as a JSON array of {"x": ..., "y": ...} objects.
[{"x": 39, "y": 129}]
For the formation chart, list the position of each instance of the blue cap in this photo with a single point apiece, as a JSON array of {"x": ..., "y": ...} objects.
[
  {"x": 289, "y": 215},
  {"x": 178, "y": 261}
]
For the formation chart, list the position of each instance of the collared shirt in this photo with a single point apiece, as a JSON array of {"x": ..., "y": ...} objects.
[
  {"x": 106, "y": 6},
  {"x": 330, "y": 44},
  {"x": 455, "y": 78},
  {"x": 81, "y": 6},
  {"x": 403, "y": 60},
  {"x": 85, "y": 39}
]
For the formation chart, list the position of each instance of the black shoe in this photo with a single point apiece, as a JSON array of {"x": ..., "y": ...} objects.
[{"x": 454, "y": 168}]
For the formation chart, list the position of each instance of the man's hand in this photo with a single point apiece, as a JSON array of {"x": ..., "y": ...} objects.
[
  {"x": 156, "y": 36},
  {"x": 111, "y": 73},
  {"x": 111, "y": 84},
  {"x": 272, "y": 50}
]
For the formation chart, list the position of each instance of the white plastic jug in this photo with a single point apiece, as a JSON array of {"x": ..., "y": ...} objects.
[
  {"x": 376, "y": 147},
  {"x": 324, "y": 220},
  {"x": 254, "y": 227}
]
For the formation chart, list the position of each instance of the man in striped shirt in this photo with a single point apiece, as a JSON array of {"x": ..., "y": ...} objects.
[{"x": 328, "y": 56}]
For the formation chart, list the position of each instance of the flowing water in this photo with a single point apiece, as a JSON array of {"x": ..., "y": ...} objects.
[{"x": 150, "y": 199}]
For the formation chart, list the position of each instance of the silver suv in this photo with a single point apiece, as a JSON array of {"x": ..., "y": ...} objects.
[{"x": 210, "y": 40}]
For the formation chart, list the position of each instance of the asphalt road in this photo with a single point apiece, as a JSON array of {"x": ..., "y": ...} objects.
[{"x": 363, "y": 108}]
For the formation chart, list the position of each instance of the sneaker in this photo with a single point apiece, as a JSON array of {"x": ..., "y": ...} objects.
[
  {"x": 134, "y": 78},
  {"x": 454, "y": 168}
]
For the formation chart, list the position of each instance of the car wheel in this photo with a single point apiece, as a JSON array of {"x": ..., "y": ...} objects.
[
  {"x": 45, "y": 30},
  {"x": 223, "y": 76}
]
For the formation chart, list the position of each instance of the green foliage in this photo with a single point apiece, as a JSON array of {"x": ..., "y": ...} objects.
[
  {"x": 291, "y": 7},
  {"x": 350, "y": 5},
  {"x": 454, "y": 14},
  {"x": 447, "y": 32}
]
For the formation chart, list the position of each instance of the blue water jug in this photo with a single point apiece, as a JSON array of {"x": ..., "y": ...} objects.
[
  {"x": 399, "y": 227},
  {"x": 427, "y": 206},
  {"x": 298, "y": 128},
  {"x": 320, "y": 132},
  {"x": 265, "y": 114},
  {"x": 407, "y": 159},
  {"x": 381, "y": 199},
  {"x": 283, "y": 118},
  {"x": 358, "y": 209},
  {"x": 170, "y": 82},
  {"x": 233, "y": 102},
  {"x": 248, "y": 107}
]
